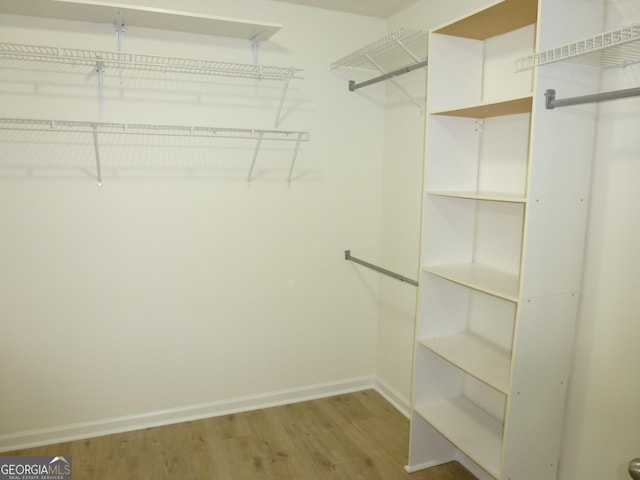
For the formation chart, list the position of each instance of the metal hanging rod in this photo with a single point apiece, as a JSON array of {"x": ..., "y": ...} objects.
[
  {"x": 347, "y": 256},
  {"x": 400, "y": 71},
  {"x": 552, "y": 102},
  {"x": 391, "y": 49}
]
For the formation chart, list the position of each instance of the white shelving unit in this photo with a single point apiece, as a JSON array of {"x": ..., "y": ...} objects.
[
  {"x": 393, "y": 55},
  {"x": 101, "y": 63},
  {"x": 502, "y": 239}
]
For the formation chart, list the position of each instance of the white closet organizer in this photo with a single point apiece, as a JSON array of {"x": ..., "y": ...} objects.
[
  {"x": 102, "y": 62},
  {"x": 614, "y": 49},
  {"x": 501, "y": 248},
  {"x": 121, "y": 62},
  {"x": 388, "y": 56}
]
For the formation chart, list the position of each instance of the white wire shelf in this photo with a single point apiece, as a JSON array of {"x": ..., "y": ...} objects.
[
  {"x": 149, "y": 129},
  {"x": 389, "y": 45},
  {"x": 130, "y": 61},
  {"x": 613, "y": 49},
  {"x": 97, "y": 129}
]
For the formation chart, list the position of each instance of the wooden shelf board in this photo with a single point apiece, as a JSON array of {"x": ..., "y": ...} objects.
[
  {"x": 483, "y": 360},
  {"x": 480, "y": 277},
  {"x": 489, "y": 196},
  {"x": 476, "y": 433},
  {"x": 490, "y": 109},
  {"x": 164, "y": 19},
  {"x": 501, "y": 17}
]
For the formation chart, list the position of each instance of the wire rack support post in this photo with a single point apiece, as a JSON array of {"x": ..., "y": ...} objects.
[{"x": 96, "y": 149}]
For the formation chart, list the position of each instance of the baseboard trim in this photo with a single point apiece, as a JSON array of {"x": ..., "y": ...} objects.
[
  {"x": 77, "y": 431},
  {"x": 393, "y": 397}
]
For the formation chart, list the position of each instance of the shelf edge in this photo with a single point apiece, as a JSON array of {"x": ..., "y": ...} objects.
[{"x": 165, "y": 19}]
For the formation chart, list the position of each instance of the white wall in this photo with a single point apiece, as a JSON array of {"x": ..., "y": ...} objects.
[
  {"x": 163, "y": 291},
  {"x": 176, "y": 283},
  {"x": 602, "y": 430}
]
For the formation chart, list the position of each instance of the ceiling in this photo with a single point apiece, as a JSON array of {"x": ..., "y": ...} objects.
[{"x": 371, "y": 8}]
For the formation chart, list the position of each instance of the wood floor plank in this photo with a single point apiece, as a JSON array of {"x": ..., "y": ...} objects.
[{"x": 346, "y": 437}]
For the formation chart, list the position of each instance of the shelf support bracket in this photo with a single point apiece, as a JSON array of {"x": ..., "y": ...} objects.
[
  {"x": 285, "y": 88},
  {"x": 100, "y": 73},
  {"x": 295, "y": 156},
  {"x": 394, "y": 81},
  {"x": 407, "y": 50},
  {"x": 255, "y": 156},
  {"x": 353, "y": 86},
  {"x": 96, "y": 149},
  {"x": 119, "y": 29},
  {"x": 255, "y": 45}
]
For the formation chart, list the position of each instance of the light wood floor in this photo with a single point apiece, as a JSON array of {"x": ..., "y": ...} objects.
[{"x": 347, "y": 437}]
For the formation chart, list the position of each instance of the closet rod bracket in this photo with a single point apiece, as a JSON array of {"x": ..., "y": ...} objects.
[
  {"x": 285, "y": 88},
  {"x": 550, "y": 98}
]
